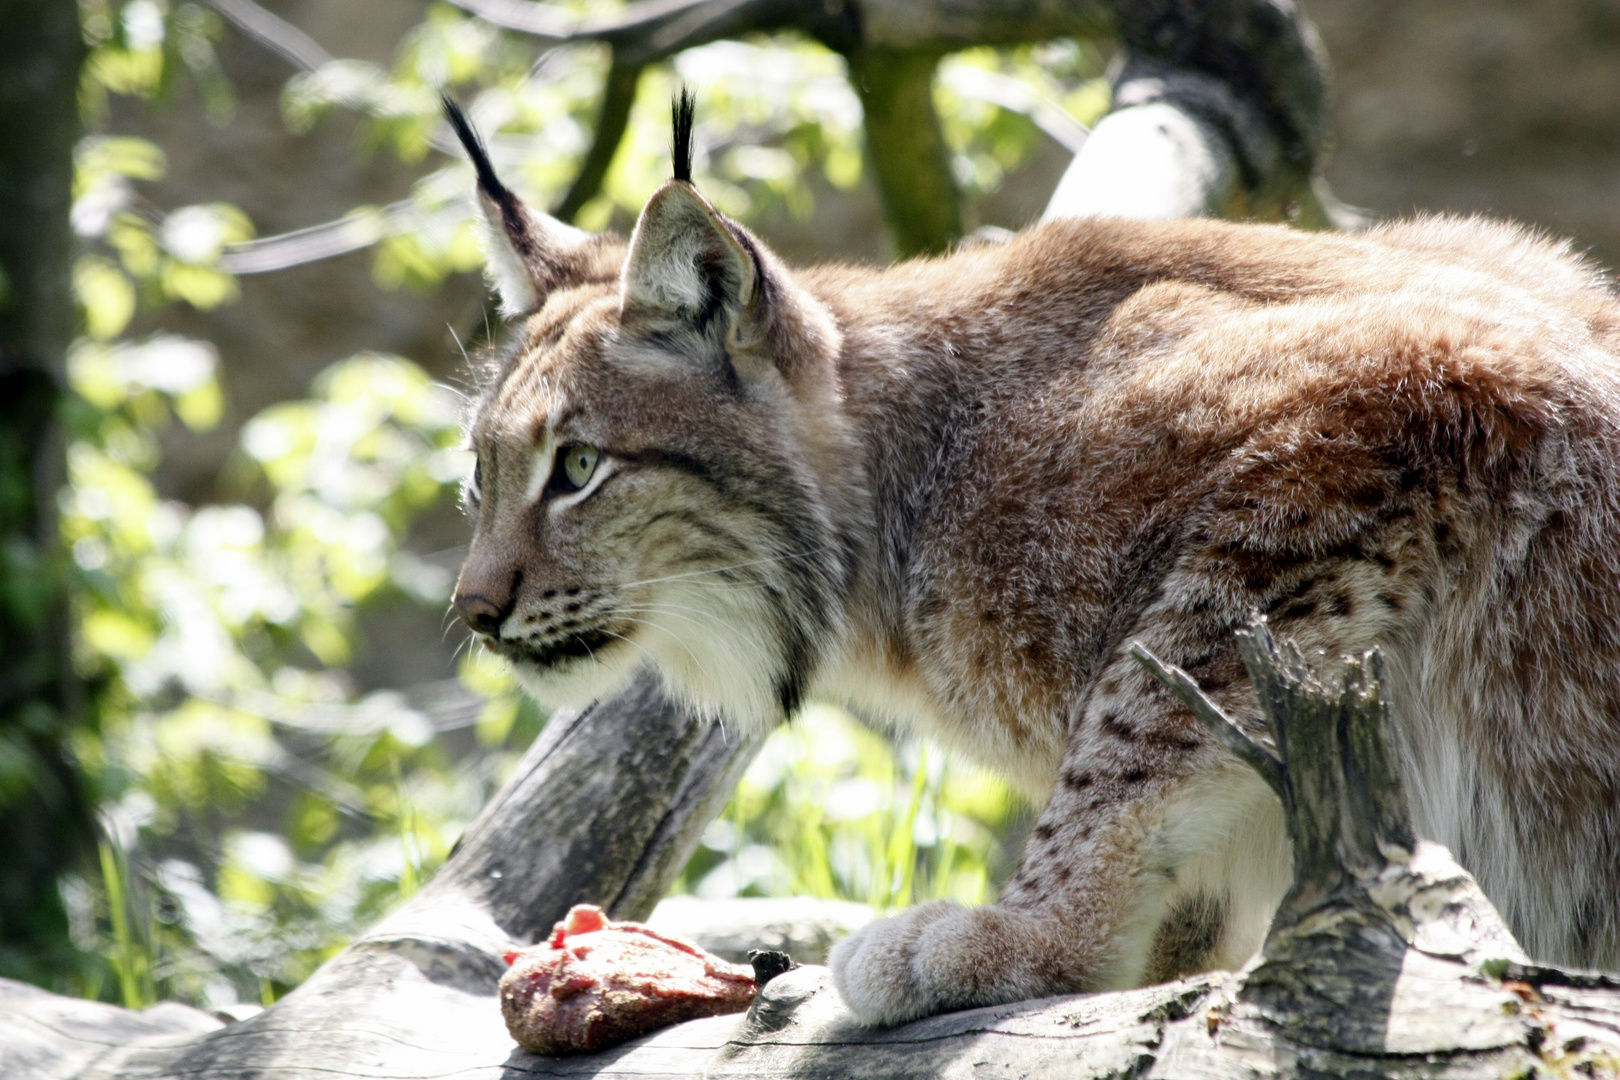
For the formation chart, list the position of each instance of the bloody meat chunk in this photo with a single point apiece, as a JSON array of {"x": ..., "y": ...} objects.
[{"x": 597, "y": 983}]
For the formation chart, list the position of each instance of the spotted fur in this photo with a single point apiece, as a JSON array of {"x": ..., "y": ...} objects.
[{"x": 949, "y": 493}]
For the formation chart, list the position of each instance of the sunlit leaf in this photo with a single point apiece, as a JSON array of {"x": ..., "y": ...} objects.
[
  {"x": 201, "y": 407},
  {"x": 116, "y": 634},
  {"x": 105, "y": 294},
  {"x": 199, "y": 286}
]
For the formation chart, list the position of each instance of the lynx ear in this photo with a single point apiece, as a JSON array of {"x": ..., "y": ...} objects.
[
  {"x": 689, "y": 264},
  {"x": 528, "y": 253},
  {"x": 694, "y": 274}
]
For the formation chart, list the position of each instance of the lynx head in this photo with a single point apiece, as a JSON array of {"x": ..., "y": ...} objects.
[{"x": 663, "y": 471}]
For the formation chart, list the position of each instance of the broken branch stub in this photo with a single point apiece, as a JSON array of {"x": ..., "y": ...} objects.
[
  {"x": 1226, "y": 729},
  {"x": 1383, "y": 946},
  {"x": 1341, "y": 792},
  {"x": 1347, "y": 808}
]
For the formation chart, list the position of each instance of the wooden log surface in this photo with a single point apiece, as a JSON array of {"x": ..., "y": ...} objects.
[
  {"x": 1386, "y": 959},
  {"x": 1428, "y": 1014}
]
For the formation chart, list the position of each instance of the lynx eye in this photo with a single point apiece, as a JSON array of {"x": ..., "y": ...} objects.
[
  {"x": 578, "y": 463},
  {"x": 475, "y": 484}
]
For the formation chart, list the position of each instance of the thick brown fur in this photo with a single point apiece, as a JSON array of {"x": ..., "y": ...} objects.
[{"x": 950, "y": 492}]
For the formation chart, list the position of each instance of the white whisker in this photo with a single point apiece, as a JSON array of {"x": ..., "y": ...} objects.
[
  {"x": 689, "y": 614},
  {"x": 677, "y": 637},
  {"x": 650, "y": 657},
  {"x": 457, "y": 339},
  {"x": 721, "y": 569}
]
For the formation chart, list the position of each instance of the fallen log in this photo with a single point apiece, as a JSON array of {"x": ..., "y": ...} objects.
[{"x": 1385, "y": 959}]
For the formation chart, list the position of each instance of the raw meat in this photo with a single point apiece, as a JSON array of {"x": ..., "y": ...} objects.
[{"x": 597, "y": 983}]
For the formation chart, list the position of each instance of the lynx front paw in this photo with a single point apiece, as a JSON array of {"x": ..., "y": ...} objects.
[
  {"x": 944, "y": 956},
  {"x": 876, "y": 969}
]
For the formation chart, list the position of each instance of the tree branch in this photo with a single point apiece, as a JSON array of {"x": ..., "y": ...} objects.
[
  {"x": 906, "y": 148},
  {"x": 537, "y": 20},
  {"x": 622, "y": 792},
  {"x": 613, "y": 116},
  {"x": 1221, "y": 108},
  {"x": 651, "y": 30},
  {"x": 274, "y": 33},
  {"x": 1227, "y": 730}
]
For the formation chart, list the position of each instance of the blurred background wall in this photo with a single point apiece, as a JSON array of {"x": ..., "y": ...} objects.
[{"x": 1505, "y": 107}]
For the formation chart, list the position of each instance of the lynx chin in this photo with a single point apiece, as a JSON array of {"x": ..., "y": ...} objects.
[{"x": 948, "y": 494}]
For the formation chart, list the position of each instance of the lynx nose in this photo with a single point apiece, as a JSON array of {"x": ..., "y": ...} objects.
[{"x": 480, "y": 613}]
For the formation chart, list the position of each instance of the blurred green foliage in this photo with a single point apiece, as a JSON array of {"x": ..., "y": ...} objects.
[
  {"x": 833, "y": 809},
  {"x": 258, "y": 812}
]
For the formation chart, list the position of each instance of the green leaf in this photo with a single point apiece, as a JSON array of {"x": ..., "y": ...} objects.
[{"x": 105, "y": 294}]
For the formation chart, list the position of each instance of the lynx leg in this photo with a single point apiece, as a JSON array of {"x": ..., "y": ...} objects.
[{"x": 1158, "y": 855}]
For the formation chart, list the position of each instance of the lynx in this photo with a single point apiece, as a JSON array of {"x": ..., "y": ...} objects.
[{"x": 949, "y": 493}]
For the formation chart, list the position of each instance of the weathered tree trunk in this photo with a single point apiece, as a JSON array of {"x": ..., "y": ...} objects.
[
  {"x": 1385, "y": 959},
  {"x": 45, "y": 820}
]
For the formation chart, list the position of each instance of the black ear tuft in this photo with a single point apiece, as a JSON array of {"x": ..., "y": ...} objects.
[
  {"x": 682, "y": 110},
  {"x": 488, "y": 182},
  {"x": 513, "y": 220}
]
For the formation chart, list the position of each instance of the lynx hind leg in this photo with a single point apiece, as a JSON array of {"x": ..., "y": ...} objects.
[{"x": 1157, "y": 855}]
